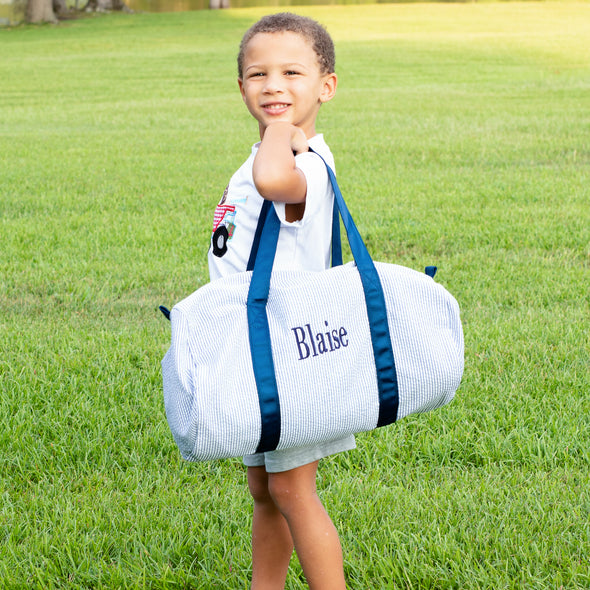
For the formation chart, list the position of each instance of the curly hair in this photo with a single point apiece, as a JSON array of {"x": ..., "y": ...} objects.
[{"x": 311, "y": 30}]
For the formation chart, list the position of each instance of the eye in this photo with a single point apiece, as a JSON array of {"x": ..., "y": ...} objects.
[
  {"x": 291, "y": 73},
  {"x": 256, "y": 75}
]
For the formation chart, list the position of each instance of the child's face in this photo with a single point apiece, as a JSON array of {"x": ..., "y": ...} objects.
[{"x": 282, "y": 81}]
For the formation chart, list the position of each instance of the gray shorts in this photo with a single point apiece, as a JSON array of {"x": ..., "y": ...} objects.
[{"x": 275, "y": 461}]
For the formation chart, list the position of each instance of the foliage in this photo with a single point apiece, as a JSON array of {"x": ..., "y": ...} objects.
[{"x": 461, "y": 136}]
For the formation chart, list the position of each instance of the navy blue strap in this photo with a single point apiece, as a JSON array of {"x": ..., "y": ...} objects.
[
  {"x": 256, "y": 243},
  {"x": 336, "y": 240},
  {"x": 376, "y": 311},
  {"x": 259, "y": 332},
  {"x": 259, "y": 335}
]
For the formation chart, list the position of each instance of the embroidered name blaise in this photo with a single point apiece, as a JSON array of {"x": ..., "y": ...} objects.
[{"x": 310, "y": 343}]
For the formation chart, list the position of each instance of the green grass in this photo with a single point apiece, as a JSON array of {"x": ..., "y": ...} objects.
[{"x": 462, "y": 138}]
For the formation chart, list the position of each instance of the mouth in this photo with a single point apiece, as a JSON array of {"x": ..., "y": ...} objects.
[{"x": 275, "y": 108}]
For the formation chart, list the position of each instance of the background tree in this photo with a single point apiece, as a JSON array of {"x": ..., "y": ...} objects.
[
  {"x": 50, "y": 11},
  {"x": 40, "y": 11},
  {"x": 104, "y": 5}
]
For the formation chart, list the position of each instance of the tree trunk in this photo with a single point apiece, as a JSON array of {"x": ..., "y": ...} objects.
[
  {"x": 60, "y": 8},
  {"x": 40, "y": 11}
]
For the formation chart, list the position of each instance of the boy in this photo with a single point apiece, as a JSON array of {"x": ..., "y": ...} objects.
[{"x": 286, "y": 72}]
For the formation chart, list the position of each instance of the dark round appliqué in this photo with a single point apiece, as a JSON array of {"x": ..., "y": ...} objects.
[{"x": 219, "y": 241}]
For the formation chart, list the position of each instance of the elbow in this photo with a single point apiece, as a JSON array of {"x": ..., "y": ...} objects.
[{"x": 268, "y": 183}]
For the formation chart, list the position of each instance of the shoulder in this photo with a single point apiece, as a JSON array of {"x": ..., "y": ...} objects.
[
  {"x": 243, "y": 175},
  {"x": 319, "y": 145}
]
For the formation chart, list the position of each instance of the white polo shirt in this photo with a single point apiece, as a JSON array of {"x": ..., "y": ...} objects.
[{"x": 303, "y": 244}]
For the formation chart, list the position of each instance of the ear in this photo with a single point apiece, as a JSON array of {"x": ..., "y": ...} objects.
[
  {"x": 329, "y": 83},
  {"x": 241, "y": 85}
]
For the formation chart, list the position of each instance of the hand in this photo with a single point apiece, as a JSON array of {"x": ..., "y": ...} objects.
[{"x": 299, "y": 142}]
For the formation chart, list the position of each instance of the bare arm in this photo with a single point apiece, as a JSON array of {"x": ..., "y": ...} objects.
[{"x": 275, "y": 175}]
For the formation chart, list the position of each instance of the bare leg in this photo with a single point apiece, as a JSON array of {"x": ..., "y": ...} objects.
[
  {"x": 314, "y": 535},
  {"x": 272, "y": 545}
]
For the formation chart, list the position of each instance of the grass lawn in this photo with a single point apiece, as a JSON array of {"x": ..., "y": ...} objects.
[{"x": 462, "y": 139}]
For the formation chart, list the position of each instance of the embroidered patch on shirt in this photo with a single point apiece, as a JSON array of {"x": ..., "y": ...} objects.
[
  {"x": 223, "y": 225},
  {"x": 223, "y": 214}
]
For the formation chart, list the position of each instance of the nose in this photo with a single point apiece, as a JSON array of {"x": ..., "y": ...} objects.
[{"x": 273, "y": 84}]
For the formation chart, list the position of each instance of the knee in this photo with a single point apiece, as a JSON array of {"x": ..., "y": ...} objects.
[
  {"x": 282, "y": 494},
  {"x": 288, "y": 493},
  {"x": 258, "y": 485}
]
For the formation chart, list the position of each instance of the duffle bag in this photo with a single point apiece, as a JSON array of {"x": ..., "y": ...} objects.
[{"x": 264, "y": 360}]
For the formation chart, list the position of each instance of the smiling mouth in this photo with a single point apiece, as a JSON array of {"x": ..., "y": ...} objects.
[{"x": 278, "y": 106}]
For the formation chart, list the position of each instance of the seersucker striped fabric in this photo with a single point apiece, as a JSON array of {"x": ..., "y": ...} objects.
[{"x": 322, "y": 354}]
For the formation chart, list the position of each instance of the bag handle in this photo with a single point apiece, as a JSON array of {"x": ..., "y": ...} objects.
[
  {"x": 336, "y": 241},
  {"x": 259, "y": 332}
]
